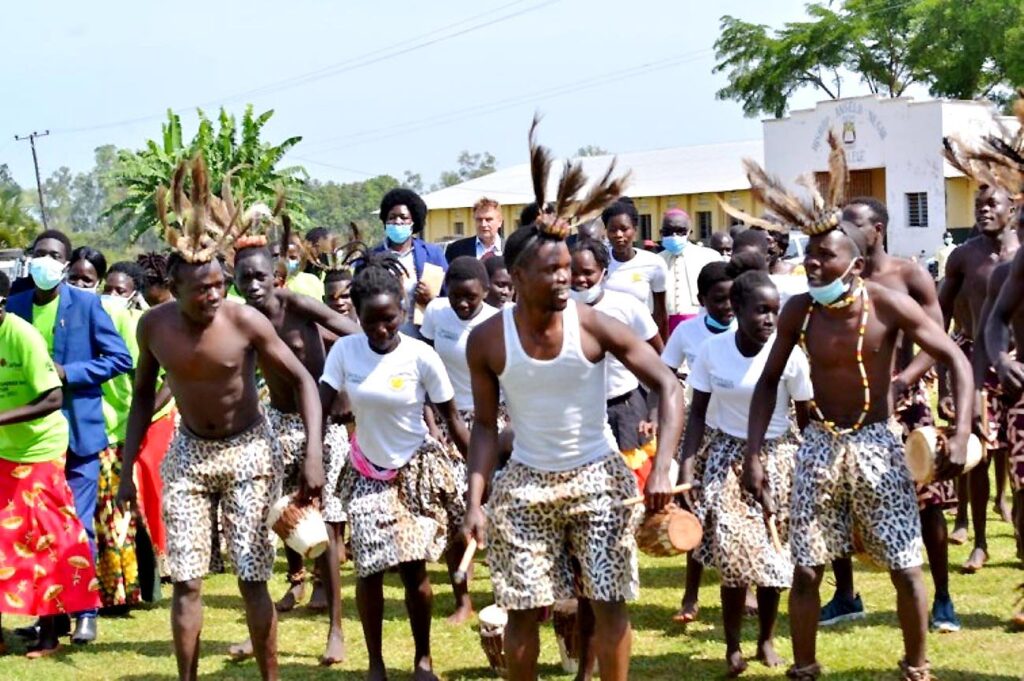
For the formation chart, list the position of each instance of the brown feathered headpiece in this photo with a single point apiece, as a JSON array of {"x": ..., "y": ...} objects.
[
  {"x": 998, "y": 159},
  {"x": 815, "y": 216},
  {"x": 340, "y": 253},
  {"x": 205, "y": 225},
  {"x": 569, "y": 208}
]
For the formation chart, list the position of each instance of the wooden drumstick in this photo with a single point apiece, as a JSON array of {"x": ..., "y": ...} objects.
[
  {"x": 633, "y": 501},
  {"x": 467, "y": 558},
  {"x": 773, "y": 530}
]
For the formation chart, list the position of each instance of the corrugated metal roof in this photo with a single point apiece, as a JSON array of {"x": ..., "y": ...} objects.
[{"x": 662, "y": 172}]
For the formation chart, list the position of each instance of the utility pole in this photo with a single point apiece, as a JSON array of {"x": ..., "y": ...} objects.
[{"x": 35, "y": 161}]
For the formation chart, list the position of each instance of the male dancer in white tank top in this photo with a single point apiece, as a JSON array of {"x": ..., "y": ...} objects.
[{"x": 560, "y": 494}]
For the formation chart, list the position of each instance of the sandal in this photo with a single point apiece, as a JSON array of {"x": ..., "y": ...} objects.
[
  {"x": 809, "y": 672},
  {"x": 684, "y": 616},
  {"x": 922, "y": 673}
]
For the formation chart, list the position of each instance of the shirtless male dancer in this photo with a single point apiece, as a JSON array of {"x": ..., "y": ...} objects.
[
  {"x": 224, "y": 448},
  {"x": 850, "y": 471},
  {"x": 912, "y": 409},
  {"x": 968, "y": 271},
  {"x": 296, "y": 318}
]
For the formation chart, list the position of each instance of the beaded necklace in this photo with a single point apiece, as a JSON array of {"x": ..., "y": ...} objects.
[{"x": 862, "y": 292}]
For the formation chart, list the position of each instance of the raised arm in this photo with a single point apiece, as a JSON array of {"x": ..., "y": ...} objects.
[
  {"x": 997, "y": 326},
  {"x": 140, "y": 414},
  {"x": 640, "y": 358},
  {"x": 273, "y": 354},
  {"x": 338, "y": 324},
  {"x": 483, "y": 441}
]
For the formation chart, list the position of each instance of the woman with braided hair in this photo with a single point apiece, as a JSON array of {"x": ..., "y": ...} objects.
[{"x": 400, "y": 486}]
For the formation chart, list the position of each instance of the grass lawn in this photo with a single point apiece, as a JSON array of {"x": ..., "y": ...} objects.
[{"x": 138, "y": 646}]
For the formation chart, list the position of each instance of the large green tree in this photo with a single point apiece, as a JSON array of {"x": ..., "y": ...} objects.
[
  {"x": 957, "y": 48},
  {"x": 17, "y": 226},
  {"x": 225, "y": 145},
  {"x": 334, "y": 206}
]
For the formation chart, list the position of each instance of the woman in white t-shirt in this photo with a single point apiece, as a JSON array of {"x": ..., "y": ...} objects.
[
  {"x": 639, "y": 273},
  {"x": 629, "y": 415},
  {"x": 736, "y": 537},
  {"x": 447, "y": 323},
  {"x": 400, "y": 486}
]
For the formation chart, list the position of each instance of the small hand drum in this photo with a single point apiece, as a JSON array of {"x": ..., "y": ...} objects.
[
  {"x": 669, "y": 532},
  {"x": 924, "y": 447},
  {"x": 301, "y": 527},
  {"x": 492, "y": 637}
]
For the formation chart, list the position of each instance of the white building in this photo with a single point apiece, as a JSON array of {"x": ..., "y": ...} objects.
[{"x": 893, "y": 148}]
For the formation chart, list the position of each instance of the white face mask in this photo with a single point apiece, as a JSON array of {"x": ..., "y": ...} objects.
[
  {"x": 588, "y": 296},
  {"x": 115, "y": 302}
]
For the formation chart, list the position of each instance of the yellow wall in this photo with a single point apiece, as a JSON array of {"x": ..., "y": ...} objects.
[
  {"x": 960, "y": 202},
  {"x": 441, "y": 223}
]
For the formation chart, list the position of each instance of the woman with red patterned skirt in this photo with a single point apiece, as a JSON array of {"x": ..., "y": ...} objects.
[{"x": 46, "y": 564}]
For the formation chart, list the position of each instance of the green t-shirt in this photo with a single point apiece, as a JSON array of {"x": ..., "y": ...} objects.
[
  {"x": 306, "y": 284},
  {"x": 118, "y": 391},
  {"x": 44, "y": 318},
  {"x": 26, "y": 372},
  {"x": 234, "y": 295}
]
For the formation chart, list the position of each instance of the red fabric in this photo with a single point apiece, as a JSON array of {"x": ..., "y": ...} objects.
[
  {"x": 148, "y": 483},
  {"x": 46, "y": 565},
  {"x": 641, "y": 474}
]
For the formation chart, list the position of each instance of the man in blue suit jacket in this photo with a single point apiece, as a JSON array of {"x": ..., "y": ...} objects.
[{"x": 88, "y": 351}]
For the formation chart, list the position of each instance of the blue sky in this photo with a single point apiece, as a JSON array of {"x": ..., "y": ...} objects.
[{"x": 373, "y": 87}]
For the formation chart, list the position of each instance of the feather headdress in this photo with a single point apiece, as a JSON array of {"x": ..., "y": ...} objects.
[
  {"x": 339, "y": 253},
  {"x": 205, "y": 225},
  {"x": 998, "y": 159},
  {"x": 569, "y": 207},
  {"x": 817, "y": 215}
]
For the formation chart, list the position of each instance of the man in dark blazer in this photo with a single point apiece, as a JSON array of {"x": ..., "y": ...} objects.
[
  {"x": 487, "y": 242},
  {"x": 87, "y": 351}
]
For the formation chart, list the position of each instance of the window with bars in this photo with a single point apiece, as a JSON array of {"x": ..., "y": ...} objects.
[
  {"x": 645, "y": 226},
  {"x": 704, "y": 224},
  {"x": 917, "y": 209},
  {"x": 460, "y": 228}
]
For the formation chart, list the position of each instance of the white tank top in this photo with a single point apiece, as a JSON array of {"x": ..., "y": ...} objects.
[{"x": 557, "y": 406}]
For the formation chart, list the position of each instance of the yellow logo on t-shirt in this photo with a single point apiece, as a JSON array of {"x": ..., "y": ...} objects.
[
  {"x": 638, "y": 277},
  {"x": 397, "y": 382}
]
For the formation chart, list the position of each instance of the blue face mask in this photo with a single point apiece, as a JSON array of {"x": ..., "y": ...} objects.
[
  {"x": 293, "y": 266},
  {"x": 718, "y": 326},
  {"x": 396, "y": 233},
  {"x": 46, "y": 272},
  {"x": 832, "y": 291},
  {"x": 674, "y": 244}
]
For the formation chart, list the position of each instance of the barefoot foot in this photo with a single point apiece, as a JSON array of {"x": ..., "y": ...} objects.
[
  {"x": 975, "y": 561},
  {"x": 958, "y": 536},
  {"x": 750, "y": 607},
  {"x": 766, "y": 654},
  {"x": 291, "y": 598},
  {"x": 318, "y": 599},
  {"x": 461, "y": 615},
  {"x": 335, "y": 652},
  {"x": 424, "y": 671},
  {"x": 687, "y": 613},
  {"x": 737, "y": 665},
  {"x": 240, "y": 651},
  {"x": 1002, "y": 510}
]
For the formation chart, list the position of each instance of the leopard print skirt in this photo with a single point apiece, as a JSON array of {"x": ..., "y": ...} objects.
[
  {"x": 291, "y": 436},
  {"x": 407, "y": 518},
  {"x": 736, "y": 539}
]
